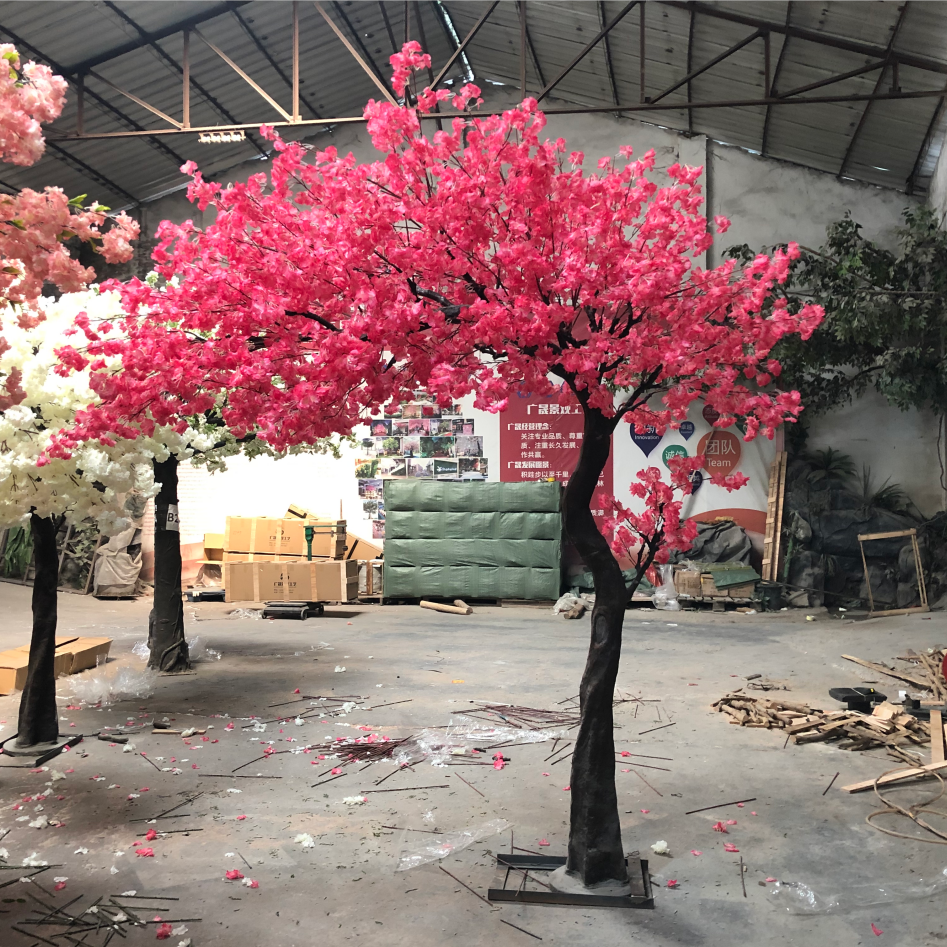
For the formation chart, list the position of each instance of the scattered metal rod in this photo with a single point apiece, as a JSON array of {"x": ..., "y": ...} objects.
[
  {"x": 145, "y": 897},
  {"x": 561, "y": 758},
  {"x": 166, "y": 812},
  {"x": 177, "y": 831},
  {"x": 551, "y": 755},
  {"x": 245, "y": 862},
  {"x": 258, "y": 758},
  {"x": 661, "y": 794},
  {"x": 827, "y": 788},
  {"x": 235, "y": 776},
  {"x": 520, "y": 929},
  {"x": 720, "y": 805},
  {"x": 329, "y": 780},
  {"x": 742, "y": 878},
  {"x": 153, "y": 763},
  {"x": 378, "y": 782},
  {"x": 471, "y": 890},
  {"x": 528, "y": 851},
  {"x": 471, "y": 785},
  {"x": 644, "y": 756},
  {"x": 662, "y": 727},
  {"x": 663, "y": 769},
  {"x": 405, "y": 829},
  {"x": 392, "y": 704},
  {"x": 365, "y": 792},
  {"x": 529, "y": 877}
]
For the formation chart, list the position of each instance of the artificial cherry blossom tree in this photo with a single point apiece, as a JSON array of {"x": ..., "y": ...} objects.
[
  {"x": 481, "y": 260},
  {"x": 37, "y": 490},
  {"x": 35, "y": 225}
]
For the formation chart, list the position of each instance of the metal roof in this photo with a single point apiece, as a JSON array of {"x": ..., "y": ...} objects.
[{"x": 883, "y": 124}]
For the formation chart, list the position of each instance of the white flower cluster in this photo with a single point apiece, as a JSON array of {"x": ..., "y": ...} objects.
[{"x": 96, "y": 479}]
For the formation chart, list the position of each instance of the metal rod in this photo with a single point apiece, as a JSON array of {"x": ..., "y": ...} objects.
[
  {"x": 253, "y": 85},
  {"x": 641, "y": 55},
  {"x": 709, "y": 65},
  {"x": 80, "y": 105},
  {"x": 569, "y": 110},
  {"x": 690, "y": 96},
  {"x": 463, "y": 45},
  {"x": 871, "y": 67},
  {"x": 587, "y": 49},
  {"x": 773, "y": 84},
  {"x": 720, "y": 805},
  {"x": 609, "y": 65},
  {"x": 521, "y": 9},
  {"x": 766, "y": 64},
  {"x": 296, "y": 115},
  {"x": 812, "y": 36},
  {"x": 368, "y": 70},
  {"x": 186, "y": 81}
]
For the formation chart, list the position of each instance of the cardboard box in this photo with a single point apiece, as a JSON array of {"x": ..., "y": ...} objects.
[
  {"x": 359, "y": 548},
  {"x": 284, "y": 537},
  {"x": 76, "y": 654},
  {"x": 370, "y": 577},
  {"x": 687, "y": 582},
  {"x": 213, "y": 547},
  {"x": 299, "y": 581},
  {"x": 709, "y": 589},
  {"x": 260, "y": 557},
  {"x": 13, "y": 668},
  {"x": 84, "y": 652}
]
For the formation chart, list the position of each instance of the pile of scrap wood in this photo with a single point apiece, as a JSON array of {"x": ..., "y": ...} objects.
[
  {"x": 924, "y": 672},
  {"x": 887, "y": 726}
]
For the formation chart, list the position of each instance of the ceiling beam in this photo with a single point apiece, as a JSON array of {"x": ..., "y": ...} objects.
[
  {"x": 150, "y": 40},
  {"x": 690, "y": 66},
  {"x": 625, "y": 10},
  {"x": 911, "y": 182},
  {"x": 850, "y": 150},
  {"x": 276, "y": 67},
  {"x": 774, "y": 81},
  {"x": 811, "y": 36},
  {"x": 576, "y": 110},
  {"x": 68, "y": 158},
  {"x": 107, "y": 106},
  {"x": 700, "y": 70},
  {"x": 474, "y": 30},
  {"x": 179, "y": 26},
  {"x": 871, "y": 67},
  {"x": 609, "y": 65},
  {"x": 370, "y": 72}
]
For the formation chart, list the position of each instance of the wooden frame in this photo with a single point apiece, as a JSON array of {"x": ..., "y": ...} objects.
[
  {"x": 922, "y": 588},
  {"x": 774, "y": 518}
]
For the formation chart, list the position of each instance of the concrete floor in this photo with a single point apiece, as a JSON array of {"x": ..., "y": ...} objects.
[{"x": 346, "y": 890}]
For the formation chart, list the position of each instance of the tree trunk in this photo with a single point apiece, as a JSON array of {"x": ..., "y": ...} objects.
[
  {"x": 595, "y": 847},
  {"x": 39, "y": 715},
  {"x": 166, "y": 623}
]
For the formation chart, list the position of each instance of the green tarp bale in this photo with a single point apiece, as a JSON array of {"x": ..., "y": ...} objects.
[{"x": 472, "y": 540}]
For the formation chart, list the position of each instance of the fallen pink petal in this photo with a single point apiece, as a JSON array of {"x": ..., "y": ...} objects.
[
  {"x": 771, "y": 880},
  {"x": 543, "y": 841},
  {"x": 645, "y": 811},
  {"x": 163, "y": 931},
  {"x": 672, "y": 883},
  {"x": 720, "y": 827},
  {"x": 233, "y": 875},
  {"x": 145, "y": 852},
  {"x": 877, "y": 931},
  {"x": 695, "y": 852},
  {"x": 730, "y": 847}
]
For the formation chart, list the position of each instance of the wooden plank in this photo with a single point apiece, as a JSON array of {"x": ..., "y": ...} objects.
[
  {"x": 889, "y": 673},
  {"x": 937, "y": 737},
  {"x": 899, "y": 776},
  {"x": 892, "y": 535},
  {"x": 780, "y": 506},
  {"x": 899, "y": 611}
]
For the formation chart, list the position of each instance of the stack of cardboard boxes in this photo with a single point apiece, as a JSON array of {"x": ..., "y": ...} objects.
[
  {"x": 265, "y": 559},
  {"x": 72, "y": 655}
]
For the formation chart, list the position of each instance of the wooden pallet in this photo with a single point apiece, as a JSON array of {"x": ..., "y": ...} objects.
[{"x": 774, "y": 517}]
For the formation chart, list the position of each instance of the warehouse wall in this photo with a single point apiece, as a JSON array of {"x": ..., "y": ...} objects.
[{"x": 769, "y": 202}]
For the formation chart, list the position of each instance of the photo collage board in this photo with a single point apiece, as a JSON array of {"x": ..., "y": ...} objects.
[{"x": 417, "y": 439}]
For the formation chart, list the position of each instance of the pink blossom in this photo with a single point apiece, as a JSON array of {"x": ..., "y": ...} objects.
[
  {"x": 233, "y": 874},
  {"x": 694, "y": 852},
  {"x": 163, "y": 931},
  {"x": 877, "y": 931},
  {"x": 145, "y": 852},
  {"x": 672, "y": 883},
  {"x": 730, "y": 847},
  {"x": 719, "y": 827}
]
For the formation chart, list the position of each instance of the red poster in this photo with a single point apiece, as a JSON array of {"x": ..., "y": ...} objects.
[{"x": 541, "y": 439}]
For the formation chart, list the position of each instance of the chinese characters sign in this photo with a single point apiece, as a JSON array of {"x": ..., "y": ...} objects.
[{"x": 540, "y": 439}]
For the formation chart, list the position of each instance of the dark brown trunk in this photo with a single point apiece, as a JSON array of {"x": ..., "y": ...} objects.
[
  {"x": 595, "y": 847},
  {"x": 166, "y": 624},
  {"x": 39, "y": 716}
]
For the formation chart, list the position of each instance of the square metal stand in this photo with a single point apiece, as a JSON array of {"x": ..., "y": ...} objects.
[{"x": 640, "y": 897}]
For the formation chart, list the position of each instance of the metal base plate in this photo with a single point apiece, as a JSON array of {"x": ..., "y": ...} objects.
[
  {"x": 42, "y": 752},
  {"x": 513, "y": 888}
]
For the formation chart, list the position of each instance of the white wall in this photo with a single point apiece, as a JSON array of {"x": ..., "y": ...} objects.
[{"x": 769, "y": 202}]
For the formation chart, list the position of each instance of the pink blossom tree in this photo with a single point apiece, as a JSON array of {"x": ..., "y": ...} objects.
[
  {"x": 35, "y": 225},
  {"x": 481, "y": 260}
]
